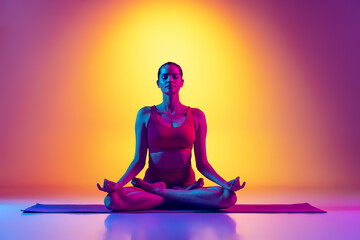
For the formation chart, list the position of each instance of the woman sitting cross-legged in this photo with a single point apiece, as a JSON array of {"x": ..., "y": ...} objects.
[{"x": 170, "y": 130}]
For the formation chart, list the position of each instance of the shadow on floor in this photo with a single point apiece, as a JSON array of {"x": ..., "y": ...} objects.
[{"x": 170, "y": 226}]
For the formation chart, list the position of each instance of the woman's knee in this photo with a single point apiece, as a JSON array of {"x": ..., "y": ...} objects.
[
  {"x": 113, "y": 202},
  {"x": 108, "y": 202},
  {"x": 228, "y": 199}
]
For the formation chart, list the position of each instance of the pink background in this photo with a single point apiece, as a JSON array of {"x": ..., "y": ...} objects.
[{"x": 52, "y": 113}]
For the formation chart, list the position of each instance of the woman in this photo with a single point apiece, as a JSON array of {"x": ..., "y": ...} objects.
[{"x": 170, "y": 130}]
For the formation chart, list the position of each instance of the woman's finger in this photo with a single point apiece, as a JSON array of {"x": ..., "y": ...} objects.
[
  {"x": 109, "y": 182},
  {"x": 107, "y": 190},
  {"x": 233, "y": 183},
  {"x": 99, "y": 187},
  {"x": 233, "y": 186},
  {"x": 237, "y": 183},
  {"x": 105, "y": 183}
]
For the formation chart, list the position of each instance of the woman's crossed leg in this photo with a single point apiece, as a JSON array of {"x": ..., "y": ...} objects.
[{"x": 149, "y": 196}]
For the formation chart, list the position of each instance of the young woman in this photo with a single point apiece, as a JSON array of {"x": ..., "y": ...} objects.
[{"x": 169, "y": 131}]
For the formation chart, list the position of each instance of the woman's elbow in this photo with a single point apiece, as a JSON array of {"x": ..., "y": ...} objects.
[
  {"x": 202, "y": 166},
  {"x": 139, "y": 162}
]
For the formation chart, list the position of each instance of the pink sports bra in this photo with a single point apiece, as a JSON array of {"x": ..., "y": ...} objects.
[{"x": 162, "y": 138}]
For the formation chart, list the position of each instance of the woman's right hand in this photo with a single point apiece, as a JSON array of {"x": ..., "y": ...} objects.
[
  {"x": 234, "y": 185},
  {"x": 109, "y": 186}
]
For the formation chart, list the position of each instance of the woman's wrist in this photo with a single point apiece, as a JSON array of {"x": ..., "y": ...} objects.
[{"x": 224, "y": 184}]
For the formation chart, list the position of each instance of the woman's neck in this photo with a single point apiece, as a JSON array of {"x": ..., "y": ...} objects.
[{"x": 171, "y": 103}]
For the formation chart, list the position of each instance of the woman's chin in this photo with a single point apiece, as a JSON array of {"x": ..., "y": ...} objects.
[{"x": 171, "y": 92}]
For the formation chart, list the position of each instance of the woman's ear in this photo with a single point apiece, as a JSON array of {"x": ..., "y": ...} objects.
[{"x": 157, "y": 82}]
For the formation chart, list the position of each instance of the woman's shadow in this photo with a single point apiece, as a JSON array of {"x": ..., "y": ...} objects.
[{"x": 170, "y": 226}]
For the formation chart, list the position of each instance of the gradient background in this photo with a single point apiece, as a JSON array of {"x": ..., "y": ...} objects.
[{"x": 277, "y": 80}]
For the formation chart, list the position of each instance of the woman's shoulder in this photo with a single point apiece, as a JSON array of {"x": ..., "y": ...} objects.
[
  {"x": 144, "y": 114},
  {"x": 199, "y": 117},
  {"x": 197, "y": 113},
  {"x": 144, "y": 111}
]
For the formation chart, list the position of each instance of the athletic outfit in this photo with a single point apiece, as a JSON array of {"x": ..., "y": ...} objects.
[{"x": 162, "y": 138}]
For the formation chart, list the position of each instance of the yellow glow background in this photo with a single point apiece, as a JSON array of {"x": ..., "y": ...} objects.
[{"x": 102, "y": 68}]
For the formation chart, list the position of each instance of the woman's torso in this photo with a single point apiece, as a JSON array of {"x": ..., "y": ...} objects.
[{"x": 170, "y": 138}]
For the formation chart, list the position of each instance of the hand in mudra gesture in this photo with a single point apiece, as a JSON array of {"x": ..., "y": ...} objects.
[
  {"x": 234, "y": 185},
  {"x": 109, "y": 186}
]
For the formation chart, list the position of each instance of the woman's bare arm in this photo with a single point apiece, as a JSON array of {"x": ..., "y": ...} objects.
[
  {"x": 202, "y": 163},
  {"x": 138, "y": 162}
]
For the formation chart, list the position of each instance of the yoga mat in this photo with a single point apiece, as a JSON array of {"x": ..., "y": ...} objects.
[{"x": 239, "y": 208}]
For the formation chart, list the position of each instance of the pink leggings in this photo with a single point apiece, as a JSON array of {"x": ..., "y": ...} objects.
[{"x": 182, "y": 177}]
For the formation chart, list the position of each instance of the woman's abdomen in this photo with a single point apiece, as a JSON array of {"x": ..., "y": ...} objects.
[
  {"x": 182, "y": 177},
  {"x": 170, "y": 159}
]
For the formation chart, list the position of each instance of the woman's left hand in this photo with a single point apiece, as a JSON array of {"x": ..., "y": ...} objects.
[
  {"x": 109, "y": 186},
  {"x": 234, "y": 185}
]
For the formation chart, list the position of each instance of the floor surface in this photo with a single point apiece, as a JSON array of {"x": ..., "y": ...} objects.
[{"x": 341, "y": 222}]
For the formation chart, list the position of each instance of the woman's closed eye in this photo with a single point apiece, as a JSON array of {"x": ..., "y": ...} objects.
[{"x": 174, "y": 76}]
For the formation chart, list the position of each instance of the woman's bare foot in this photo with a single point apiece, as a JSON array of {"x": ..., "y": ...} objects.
[
  {"x": 148, "y": 187},
  {"x": 198, "y": 184}
]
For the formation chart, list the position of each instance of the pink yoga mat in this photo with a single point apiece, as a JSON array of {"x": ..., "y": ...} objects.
[{"x": 239, "y": 208}]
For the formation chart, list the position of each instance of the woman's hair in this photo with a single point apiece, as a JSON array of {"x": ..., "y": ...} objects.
[{"x": 170, "y": 63}]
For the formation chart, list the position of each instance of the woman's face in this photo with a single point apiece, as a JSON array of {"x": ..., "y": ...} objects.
[{"x": 170, "y": 80}]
